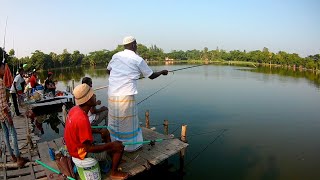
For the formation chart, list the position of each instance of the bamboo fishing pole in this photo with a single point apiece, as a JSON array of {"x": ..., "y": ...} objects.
[
  {"x": 151, "y": 142},
  {"x": 4, "y": 41},
  {"x": 102, "y": 87},
  {"x": 186, "y": 68}
]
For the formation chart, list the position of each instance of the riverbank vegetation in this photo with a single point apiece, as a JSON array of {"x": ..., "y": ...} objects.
[{"x": 41, "y": 60}]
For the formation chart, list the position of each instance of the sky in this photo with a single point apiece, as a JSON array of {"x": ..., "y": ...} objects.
[{"x": 51, "y": 26}]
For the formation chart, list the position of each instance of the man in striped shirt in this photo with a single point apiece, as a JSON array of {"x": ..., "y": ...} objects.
[{"x": 6, "y": 120}]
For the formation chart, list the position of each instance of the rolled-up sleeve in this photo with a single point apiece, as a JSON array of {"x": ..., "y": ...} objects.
[{"x": 145, "y": 69}]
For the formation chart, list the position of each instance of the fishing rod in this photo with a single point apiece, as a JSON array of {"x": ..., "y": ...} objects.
[
  {"x": 102, "y": 87},
  {"x": 186, "y": 68},
  {"x": 152, "y": 142},
  {"x": 155, "y": 92},
  {"x": 4, "y": 41},
  {"x": 54, "y": 170}
]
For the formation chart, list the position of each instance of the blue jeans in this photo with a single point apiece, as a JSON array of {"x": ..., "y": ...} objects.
[{"x": 6, "y": 130}]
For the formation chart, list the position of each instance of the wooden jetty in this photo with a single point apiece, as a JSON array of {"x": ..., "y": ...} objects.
[
  {"x": 135, "y": 162},
  {"x": 28, "y": 149}
]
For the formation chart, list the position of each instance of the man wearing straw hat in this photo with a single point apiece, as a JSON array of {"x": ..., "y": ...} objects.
[
  {"x": 125, "y": 69},
  {"x": 78, "y": 133}
]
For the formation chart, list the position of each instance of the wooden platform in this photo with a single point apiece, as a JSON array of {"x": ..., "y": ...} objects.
[
  {"x": 136, "y": 162},
  {"x": 9, "y": 170}
]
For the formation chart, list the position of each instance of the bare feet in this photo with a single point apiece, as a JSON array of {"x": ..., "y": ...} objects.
[{"x": 119, "y": 175}]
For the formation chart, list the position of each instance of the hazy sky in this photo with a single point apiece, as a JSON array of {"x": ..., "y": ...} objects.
[{"x": 51, "y": 26}]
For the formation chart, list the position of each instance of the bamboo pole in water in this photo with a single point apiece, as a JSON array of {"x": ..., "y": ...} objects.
[
  {"x": 147, "y": 119},
  {"x": 183, "y": 151},
  {"x": 166, "y": 127},
  {"x": 184, "y": 133}
]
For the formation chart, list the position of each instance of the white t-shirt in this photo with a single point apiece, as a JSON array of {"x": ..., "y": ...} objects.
[
  {"x": 18, "y": 79},
  {"x": 91, "y": 116},
  {"x": 126, "y": 67}
]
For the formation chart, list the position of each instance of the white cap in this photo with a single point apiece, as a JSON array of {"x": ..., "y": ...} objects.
[{"x": 128, "y": 40}]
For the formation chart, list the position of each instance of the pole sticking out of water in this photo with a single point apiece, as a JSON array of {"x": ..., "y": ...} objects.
[
  {"x": 182, "y": 153},
  {"x": 147, "y": 119},
  {"x": 166, "y": 127}
]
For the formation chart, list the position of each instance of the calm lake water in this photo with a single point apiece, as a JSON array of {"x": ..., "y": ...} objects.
[{"x": 271, "y": 117}]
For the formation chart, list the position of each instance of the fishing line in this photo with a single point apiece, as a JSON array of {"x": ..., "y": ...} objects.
[
  {"x": 186, "y": 68},
  {"x": 155, "y": 92},
  {"x": 162, "y": 124},
  {"x": 205, "y": 148},
  {"x": 209, "y": 132}
]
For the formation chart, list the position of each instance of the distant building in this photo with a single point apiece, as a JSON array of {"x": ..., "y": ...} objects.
[{"x": 168, "y": 59}]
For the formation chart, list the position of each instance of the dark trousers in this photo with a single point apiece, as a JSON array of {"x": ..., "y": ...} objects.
[{"x": 15, "y": 103}]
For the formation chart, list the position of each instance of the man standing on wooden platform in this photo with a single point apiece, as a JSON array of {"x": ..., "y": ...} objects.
[
  {"x": 78, "y": 133},
  {"x": 17, "y": 90},
  {"x": 125, "y": 69},
  {"x": 6, "y": 121}
]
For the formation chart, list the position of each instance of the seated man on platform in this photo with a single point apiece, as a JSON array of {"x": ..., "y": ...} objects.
[
  {"x": 96, "y": 116},
  {"x": 49, "y": 85},
  {"x": 78, "y": 133}
]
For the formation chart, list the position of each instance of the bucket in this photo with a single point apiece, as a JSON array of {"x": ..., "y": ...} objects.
[
  {"x": 88, "y": 169},
  {"x": 39, "y": 89}
]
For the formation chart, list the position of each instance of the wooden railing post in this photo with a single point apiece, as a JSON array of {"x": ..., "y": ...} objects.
[
  {"x": 147, "y": 119},
  {"x": 166, "y": 127},
  {"x": 183, "y": 151},
  {"x": 184, "y": 133}
]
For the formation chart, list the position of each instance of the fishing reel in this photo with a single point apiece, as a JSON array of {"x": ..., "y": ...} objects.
[{"x": 152, "y": 143}]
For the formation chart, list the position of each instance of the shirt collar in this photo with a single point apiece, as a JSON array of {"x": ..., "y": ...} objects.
[{"x": 128, "y": 50}]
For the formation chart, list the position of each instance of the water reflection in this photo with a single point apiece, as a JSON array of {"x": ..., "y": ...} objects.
[
  {"x": 312, "y": 77},
  {"x": 77, "y": 73},
  {"x": 272, "y": 117},
  {"x": 53, "y": 119}
]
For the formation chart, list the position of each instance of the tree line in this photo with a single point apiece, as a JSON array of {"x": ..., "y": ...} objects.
[{"x": 41, "y": 60}]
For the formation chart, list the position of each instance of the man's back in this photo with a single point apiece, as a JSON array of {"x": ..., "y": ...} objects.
[
  {"x": 125, "y": 69},
  {"x": 77, "y": 131},
  {"x": 33, "y": 81}
]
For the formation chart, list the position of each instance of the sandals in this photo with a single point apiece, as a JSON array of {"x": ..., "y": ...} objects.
[{"x": 21, "y": 161}]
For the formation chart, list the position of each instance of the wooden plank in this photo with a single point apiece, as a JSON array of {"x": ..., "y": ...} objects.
[
  {"x": 27, "y": 177},
  {"x": 18, "y": 172},
  {"x": 4, "y": 161},
  {"x": 37, "y": 168},
  {"x": 40, "y": 174}
]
